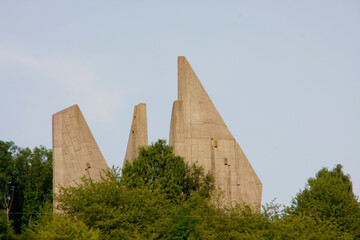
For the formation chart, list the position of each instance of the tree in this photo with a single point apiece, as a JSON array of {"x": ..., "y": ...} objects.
[
  {"x": 7, "y": 187},
  {"x": 34, "y": 178},
  {"x": 118, "y": 212},
  {"x": 329, "y": 196},
  {"x": 25, "y": 182},
  {"x": 6, "y": 231},
  {"x": 59, "y": 227},
  {"x": 157, "y": 167}
]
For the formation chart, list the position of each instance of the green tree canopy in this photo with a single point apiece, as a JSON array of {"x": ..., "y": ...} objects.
[
  {"x": 25, "y": 182},
  {"x": 158, "y": 168},
  {"x": 330, "y": 196},
  {"x": 52, "y": 226}
]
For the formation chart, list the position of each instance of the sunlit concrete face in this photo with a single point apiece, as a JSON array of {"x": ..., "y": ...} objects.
[
  {"x": 138, "y": 133},
  {"x": 75, "y": 150},
  {"x": 199, "y": 134}
]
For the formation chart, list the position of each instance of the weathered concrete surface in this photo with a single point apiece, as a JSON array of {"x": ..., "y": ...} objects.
[
  {"x": 138, "y": 133},
  {"x": 199, "y": 134},
  {"x": 75, "y": 150}
]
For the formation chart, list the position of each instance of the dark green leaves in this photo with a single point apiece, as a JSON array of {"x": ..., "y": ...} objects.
[
  {"x": 25, "y": 182},
  {"x": 158, "y": 168},
  {"x": 329, "y": 196}
]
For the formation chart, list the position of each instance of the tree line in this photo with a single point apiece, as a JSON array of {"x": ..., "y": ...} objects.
[{"x": 159, "y": 196}]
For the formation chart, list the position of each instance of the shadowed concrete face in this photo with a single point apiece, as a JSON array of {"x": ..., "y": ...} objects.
[
  {"x": 138, "y": 133},
  {"x": 75, "y": 150},
  {"x": 199, "y": 134}
]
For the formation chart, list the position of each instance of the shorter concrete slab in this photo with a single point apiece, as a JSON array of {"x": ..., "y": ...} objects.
[{"x": 138, "y": 133}]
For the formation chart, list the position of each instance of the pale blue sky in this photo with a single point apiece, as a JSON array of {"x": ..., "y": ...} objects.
[{"x": 284, "y": 75}]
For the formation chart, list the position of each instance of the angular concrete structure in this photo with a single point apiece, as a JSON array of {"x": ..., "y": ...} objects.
[
  {"x": 199, "y": 134},
  {"x": 75, "y": 150},
  {"x": 138, "y": 133}
]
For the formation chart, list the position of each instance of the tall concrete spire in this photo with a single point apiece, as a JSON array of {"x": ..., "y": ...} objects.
[
  {"x": 75, "y": 150},
  {"x": 138, "y": 133},
  {"x": 199, "y": 134}
]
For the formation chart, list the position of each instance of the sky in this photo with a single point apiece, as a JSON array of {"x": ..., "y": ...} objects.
[{"x": 284, "y": 75}]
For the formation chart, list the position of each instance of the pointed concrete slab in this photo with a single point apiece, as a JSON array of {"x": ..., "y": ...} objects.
[
  {"x": 199, "y": 134},
  {"x": 75, "y": 150},
  {"x": 198, "y": 108},
  {"x": 138, "y": 133}
]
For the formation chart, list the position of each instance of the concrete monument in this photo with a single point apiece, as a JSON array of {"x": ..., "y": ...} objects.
[
  {"x": 138, "y": 133},
  {"x": 75, "y": 150},
  {"x": 199, "y": 134}
]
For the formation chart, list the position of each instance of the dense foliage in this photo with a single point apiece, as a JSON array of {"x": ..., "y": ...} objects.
[
  {"x": 53, "y": 226},
  {"x": 158, "y": 168},
  {"x": 25, "y": 182},
  {"x": 330, "y": 196},
  {"x": 6, "y": 231},
  {"x": 159, "y": 196}
]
